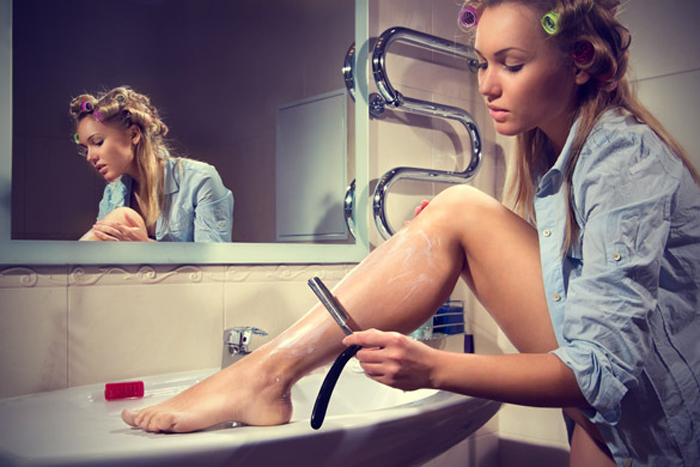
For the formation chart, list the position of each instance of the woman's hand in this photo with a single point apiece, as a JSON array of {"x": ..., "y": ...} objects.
[
  {"x": 128, "y": 230},
  {"x": 394, "y": 359}
]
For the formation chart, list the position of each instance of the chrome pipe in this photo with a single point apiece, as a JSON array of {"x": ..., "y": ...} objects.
[
  {"x": 394, "y": 99},
  {"x": 348, "y": 71},
  {"x": 418, "y": 39}
]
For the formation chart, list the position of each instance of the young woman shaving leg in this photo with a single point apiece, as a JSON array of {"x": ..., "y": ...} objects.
[
  {"x": 602, "y": 298},
  {"x": 397, "y": 287}
]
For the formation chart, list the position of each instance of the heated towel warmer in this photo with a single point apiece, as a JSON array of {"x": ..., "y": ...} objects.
[{"x": 389, "y": 97}]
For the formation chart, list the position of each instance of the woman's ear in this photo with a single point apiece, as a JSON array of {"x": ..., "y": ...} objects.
[
  {"x": 135, "y": 132},
  {"x": 580, "y": 76}
]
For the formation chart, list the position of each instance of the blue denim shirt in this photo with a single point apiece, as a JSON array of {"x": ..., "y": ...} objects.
[
  {"x": 198, "y": 207},
  {"x": 625, "y": 300}
]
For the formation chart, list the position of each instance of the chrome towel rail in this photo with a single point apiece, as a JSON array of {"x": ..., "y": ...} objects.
[{"x": 396, "y": 101}]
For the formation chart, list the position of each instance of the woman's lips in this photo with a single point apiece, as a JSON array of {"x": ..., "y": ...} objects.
[
  {"x": 102, "y": 169},
  {"x": 499, "y": 115}
]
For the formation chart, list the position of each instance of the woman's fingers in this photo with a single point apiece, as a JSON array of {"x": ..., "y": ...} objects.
[{"x": 393, "y": 359}]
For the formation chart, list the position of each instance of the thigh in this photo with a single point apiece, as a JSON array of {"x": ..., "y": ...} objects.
[{"x": 501, "y": 264}]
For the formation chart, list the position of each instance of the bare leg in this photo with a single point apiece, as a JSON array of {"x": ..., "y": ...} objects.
[
  {"x": 585, "y": 452},
  {"x": 397, "y": 287}
]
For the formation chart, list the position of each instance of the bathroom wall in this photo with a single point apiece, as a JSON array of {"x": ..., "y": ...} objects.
[{"x": 63, "y": 326}]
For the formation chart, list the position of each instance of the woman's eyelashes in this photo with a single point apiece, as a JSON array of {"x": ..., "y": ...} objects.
[{"x": 475, "y": 66}]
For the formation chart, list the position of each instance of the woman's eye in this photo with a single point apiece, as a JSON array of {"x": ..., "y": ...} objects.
[
  {"x": 513, "y": 68},
  {"x": 476, "y": 65}
]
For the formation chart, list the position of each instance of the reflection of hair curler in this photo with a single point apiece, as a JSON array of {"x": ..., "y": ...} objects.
[
  {"x": 86, "y": 106},
  {"x": 76, "y": 138},
  {"x": 468, "y": 18},
  {"x": 550, "y": 23},
  {"x": 582, "y": 52}
]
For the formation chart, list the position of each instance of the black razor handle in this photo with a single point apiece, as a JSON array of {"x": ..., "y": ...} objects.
[{"x": 324, "y": 394}]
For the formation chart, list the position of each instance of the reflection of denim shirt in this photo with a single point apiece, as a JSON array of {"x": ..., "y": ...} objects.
[
  {"x": 625, "y": 301},
  {"x": 198, "y": 207}
]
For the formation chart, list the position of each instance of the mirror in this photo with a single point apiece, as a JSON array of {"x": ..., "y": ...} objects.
[{"x": 193, "y": 59}]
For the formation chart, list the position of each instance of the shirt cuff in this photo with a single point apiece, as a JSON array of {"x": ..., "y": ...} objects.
[{"x": 596, "y": 379}]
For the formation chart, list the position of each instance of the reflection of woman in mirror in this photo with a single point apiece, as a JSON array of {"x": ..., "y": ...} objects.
[
  {"x": 596, "y": 283},
  {"x": 150, "y": 195}
]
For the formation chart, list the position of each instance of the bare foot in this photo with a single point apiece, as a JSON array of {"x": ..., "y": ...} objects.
[{"x": 241, "y": 393}]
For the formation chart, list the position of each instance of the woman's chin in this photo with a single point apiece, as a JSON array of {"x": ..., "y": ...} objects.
[{"x": 506, "y": 130}]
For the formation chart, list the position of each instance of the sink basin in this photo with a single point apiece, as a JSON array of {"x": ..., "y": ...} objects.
[{"x": 367, "y": 423}]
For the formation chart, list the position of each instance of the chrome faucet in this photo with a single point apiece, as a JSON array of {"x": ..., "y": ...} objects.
[{"x": 237, "y": 343}]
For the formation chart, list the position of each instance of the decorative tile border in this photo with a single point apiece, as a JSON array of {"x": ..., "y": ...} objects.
[
  {"x": 88, "y": 275},
  {"x": 81, "y": 276},
  {"x": 285, "y": 272},
  {"x": 32, "y": 277}
]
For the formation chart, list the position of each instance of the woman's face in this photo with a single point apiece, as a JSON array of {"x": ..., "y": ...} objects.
[
  {"x": 107, "y": 148},
  {"x": 524, "y": 79}
]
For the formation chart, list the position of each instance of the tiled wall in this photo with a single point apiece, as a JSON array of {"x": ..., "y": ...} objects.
[{"x": 73, "y": 325}]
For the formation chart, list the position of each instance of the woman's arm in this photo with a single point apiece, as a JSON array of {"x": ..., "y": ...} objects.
[{"x": 527, "y": 379}]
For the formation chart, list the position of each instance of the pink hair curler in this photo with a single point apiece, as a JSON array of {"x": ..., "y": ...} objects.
[
  {"x": 124, "y": 390},
  {"x": 468, "y": 18}
]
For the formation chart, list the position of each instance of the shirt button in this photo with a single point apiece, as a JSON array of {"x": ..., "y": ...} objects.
[
  {"x": 627, "y": 462},
  {"x": 616, "y": 256},
  {"x": 556, "y": 297},
  {"x": 547, "y": 233}
]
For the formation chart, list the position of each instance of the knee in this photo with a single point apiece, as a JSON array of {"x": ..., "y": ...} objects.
[{"x": 462, "y": 202}]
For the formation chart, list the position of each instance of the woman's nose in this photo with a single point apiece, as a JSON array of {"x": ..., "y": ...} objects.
[
  {"x": 91, "y": 155},
  {"x": 488, "y": 83}
]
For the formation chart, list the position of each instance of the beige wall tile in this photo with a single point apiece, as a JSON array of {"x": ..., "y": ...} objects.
[
  {"x": 273, "y": 297},
  {"x": 33, "y": 330},
  {"x": 127, "y": 322}
]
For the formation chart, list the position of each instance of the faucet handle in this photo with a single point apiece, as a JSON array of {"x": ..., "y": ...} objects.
[
  {"x": 240, "y": 336},
  {"x": 236, "y": 342}
]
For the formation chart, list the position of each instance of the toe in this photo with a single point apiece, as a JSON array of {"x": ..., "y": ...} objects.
[{"x": 129, "y": 417}]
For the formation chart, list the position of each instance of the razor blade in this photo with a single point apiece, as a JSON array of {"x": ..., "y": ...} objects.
[{"x": 331, "y": 304}]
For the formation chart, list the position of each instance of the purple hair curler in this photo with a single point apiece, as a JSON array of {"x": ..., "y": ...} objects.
[{"x": 468, "y": 18}]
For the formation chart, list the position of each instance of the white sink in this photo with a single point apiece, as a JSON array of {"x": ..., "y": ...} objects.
[{"x": 366, "y": 424}]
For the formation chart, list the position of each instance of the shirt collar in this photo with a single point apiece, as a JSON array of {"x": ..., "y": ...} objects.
[
  {"x": 171, "y": 180},
  {"x": 551, "y": 181}
]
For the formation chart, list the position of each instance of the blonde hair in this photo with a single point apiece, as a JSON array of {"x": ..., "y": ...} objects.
[
  {"x": 580, "y": 22},
  {"x": 124, "y": 107}
]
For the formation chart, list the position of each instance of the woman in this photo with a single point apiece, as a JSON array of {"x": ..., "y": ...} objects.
[
  {"x": 150, "y": 195},
  {"x": 597, "y": 283}
]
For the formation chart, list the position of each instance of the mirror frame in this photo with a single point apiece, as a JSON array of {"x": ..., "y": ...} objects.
[{"x": 26, "y": 252}]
